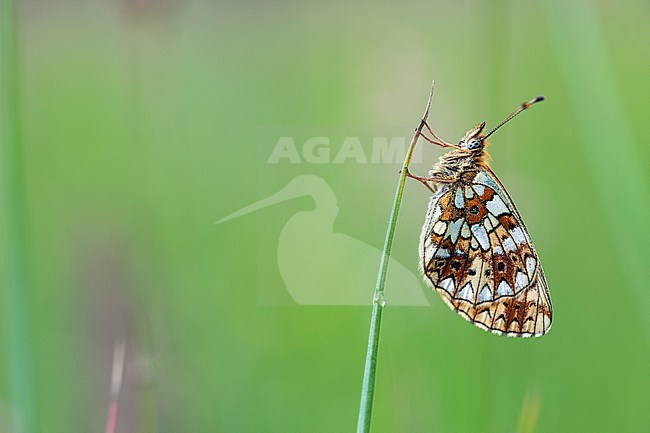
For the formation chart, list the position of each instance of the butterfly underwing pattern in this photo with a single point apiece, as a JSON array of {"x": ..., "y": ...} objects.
[{"x": 474, "y": 248}]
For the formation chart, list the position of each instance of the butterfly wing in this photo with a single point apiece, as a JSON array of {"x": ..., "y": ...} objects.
[{"x": 477, "y": 254}]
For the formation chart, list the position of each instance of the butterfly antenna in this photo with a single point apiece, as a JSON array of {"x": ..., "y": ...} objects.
[{"x": 517, "y": 111}]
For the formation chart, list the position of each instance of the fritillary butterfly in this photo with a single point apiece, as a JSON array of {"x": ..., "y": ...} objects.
[{"x": 474, "y": 249}]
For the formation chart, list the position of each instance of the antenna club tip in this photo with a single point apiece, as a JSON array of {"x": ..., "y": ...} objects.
[
  {"x": 531, "y": 102},
  {"x": 514, "y": 113}
]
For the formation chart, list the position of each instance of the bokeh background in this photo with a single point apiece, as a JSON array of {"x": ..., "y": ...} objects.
[{"x": 142, "y": 123}]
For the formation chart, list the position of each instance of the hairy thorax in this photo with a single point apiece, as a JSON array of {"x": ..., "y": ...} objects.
[{"x": 457, "y": 166}]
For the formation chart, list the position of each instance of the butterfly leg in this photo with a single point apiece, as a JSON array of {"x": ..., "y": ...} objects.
[
  {"x": 425, "y": 180},
  {"x": 439, "y": 141}
]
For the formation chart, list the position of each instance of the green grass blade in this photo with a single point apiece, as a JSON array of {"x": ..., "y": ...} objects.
[
  {"x": 370, "y": 368},
  {"x": 14, "y": 249}
]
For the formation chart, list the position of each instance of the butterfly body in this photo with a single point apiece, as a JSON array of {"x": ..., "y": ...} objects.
[{"x": 475, "y": 250}]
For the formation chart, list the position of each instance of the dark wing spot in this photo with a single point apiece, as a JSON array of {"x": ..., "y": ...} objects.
[
  {"x": 473, "y": 210},
  {"x": 471, "y": 272},
  {"x": 487, "y": 272},
  {"x": 508, "y": 221},
  {"x": 485, "y": 310},
  {"x": 500, "y": 266},
  {"x": 455, "y": 264}
]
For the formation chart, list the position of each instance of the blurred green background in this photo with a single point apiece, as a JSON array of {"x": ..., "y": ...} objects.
[{"x": 145, "y": 122}]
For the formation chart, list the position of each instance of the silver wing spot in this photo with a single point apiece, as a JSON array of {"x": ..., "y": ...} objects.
[
  {"x": 531, "y": 263},
  {"x": 495, "y": 222},
  {"x": 496, "y": 206},
  {"x": 509, "y": 244},
  {"x": 467, "y": 292},
  {"x": 504, "y": 289},
  {"x": 464, "y": 231},
  {"x": 520, "y": 280},
  {"x": 447, "y": 285},
  {"x": 485, "y": 295},
  {"x": 442, "y": 253},
  {"x": 459, "y": 200},
  {"x": 518, "y": 235},
  {"x": 487, "y": 224},
  {"x": 439, "y": 228},
  {"x": 481, "y": 236},
  {"x": 454, "y": 229}
]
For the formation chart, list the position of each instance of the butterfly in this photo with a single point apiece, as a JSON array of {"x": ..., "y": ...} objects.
[{"x": 474, "y": 248}]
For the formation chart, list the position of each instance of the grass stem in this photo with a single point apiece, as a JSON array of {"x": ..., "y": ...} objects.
[
  {"x": 14, "y": 240},
  {"x": 370, "y": 368}
]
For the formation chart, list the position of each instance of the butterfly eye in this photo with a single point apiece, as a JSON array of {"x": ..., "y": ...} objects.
[{"x": 474, "y": 143}]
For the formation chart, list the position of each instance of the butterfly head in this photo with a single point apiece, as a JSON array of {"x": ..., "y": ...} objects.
[{"x": 474, "y": 139}]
